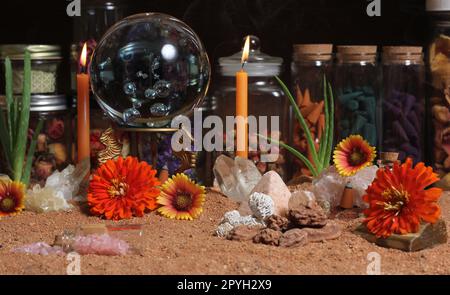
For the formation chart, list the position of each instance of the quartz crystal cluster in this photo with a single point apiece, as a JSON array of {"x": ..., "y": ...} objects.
[
  {"x": 329, "y": 186},
  {"x": 60, "y": 188},
  {"x": 237, "y": 177}
]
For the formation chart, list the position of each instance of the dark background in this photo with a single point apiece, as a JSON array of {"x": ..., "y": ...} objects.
[{"x": 222, "y": 24}]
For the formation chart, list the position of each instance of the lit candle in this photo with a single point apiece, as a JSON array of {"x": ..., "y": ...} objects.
[
  {"x": 83, "y": 127},
  {"x": 242, "y": 105}
]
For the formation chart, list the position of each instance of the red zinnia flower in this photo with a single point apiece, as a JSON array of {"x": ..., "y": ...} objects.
[
  {"x": 399, "y": 201},
  {"x": 123, "y": 188}
]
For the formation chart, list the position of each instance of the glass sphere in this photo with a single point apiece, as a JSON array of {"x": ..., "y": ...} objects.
[{"x": 149, "y": 68}]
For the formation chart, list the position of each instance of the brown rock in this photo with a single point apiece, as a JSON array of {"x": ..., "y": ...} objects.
[
  {"x": 308, "y": 216},
  {"x": 328, "y": 232},
  {"x": 243, "y": 233},
  {"x": 272, "y": 185},
  {"x": 428, "y": 236},
  {"x": 294, "y": 238},
  {"x": 268, "y": 236},
  {"x": 277, "y": 222},
  {"x": 301, "y": 198}
]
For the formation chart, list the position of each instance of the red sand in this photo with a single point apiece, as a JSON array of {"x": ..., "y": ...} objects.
[{"x": 183, "y": 247}]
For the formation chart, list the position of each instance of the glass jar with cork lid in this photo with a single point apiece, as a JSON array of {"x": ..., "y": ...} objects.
[
  {"x": 403, "y": 103},
  {"x": 438, "y": 90},
  {"x": 357, "y": 84},
  {"x": 265, "y": 100},
  {"x": 46, "y": 62},
  {"x": 311, "y": 63}
]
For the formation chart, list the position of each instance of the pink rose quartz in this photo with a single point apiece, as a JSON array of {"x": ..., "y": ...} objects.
[{"x": 100, "y": 245}]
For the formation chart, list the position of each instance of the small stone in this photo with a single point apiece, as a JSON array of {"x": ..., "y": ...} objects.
[
  {"x": 268, "y": 236},
  {"x": 262, "y": 205},
  {"x": 277, "y": 222},
  {"x": 301, "y": 198},
  {"x": 329, "y": 232},
  {"x": 271, "y": 184},
  {"x": 243, "y": 233},
  {"x": 429, "y": 235},
  {"x": 308, "y": 216},
  {"x": 294, "y": 238},
  {"x": 224, "y": 229}
]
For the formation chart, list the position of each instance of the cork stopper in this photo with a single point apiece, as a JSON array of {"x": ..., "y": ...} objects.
[
  {"x": 357, "y": 49},
  {"x": 389, "y": 156},
  {"x": 357, "y": 53},
  {"x": 401, "y": 53},
  {"x": 312, "y": 52}
]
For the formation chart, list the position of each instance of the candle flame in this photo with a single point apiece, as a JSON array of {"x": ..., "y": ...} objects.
[
  {"x": 83, "y": 56},
  {"x": 246, "y": 50}
]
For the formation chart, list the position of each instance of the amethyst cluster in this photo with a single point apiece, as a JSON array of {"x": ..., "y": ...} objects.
[{"x": 402, "y": 126}]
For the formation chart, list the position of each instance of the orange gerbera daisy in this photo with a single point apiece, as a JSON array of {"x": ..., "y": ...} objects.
[
  {"x": 12, "y": 196},
  {"x": 181, "y": 198},
  {"x": 123, "y": 188},
  {"x": 353, "y": 154},
  {"x": 398, "y": 200}
]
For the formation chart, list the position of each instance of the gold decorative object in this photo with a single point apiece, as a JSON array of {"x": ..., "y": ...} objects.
[
  {"x": 113, "y": 147},
  {"x": 188, "y": 160}
]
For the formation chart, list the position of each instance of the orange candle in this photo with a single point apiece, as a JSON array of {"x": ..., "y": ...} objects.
[
  {"x": 242, "y": 105},
  {"x": 83, "y": 127}
]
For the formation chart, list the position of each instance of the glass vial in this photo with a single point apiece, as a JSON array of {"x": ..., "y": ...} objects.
[{"x": 403, "y": 106}]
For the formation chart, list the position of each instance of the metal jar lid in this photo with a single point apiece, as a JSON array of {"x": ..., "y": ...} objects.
[
  {"x": 44, "y": 103},
  {"x": 37, "y": 52}
]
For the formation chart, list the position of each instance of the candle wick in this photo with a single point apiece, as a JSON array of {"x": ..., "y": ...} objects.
[{"x": 243, "y": 64}]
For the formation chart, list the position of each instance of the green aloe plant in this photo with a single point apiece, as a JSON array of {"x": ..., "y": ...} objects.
[
  {"x": 321, "y": 159},
  {"x": 14, "y": 124}
]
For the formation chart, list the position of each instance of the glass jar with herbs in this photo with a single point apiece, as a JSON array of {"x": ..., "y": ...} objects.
[{"x": 439, "y": 88}]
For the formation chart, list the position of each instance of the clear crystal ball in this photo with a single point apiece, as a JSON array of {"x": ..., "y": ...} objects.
[{"x": 149, "y": 68}]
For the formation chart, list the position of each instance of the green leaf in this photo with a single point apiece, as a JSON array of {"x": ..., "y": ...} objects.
[
  {"x": 9, "y": 102},
  {"x": 324, "y": 141},
  {"x": 4, "y": 139},
  {"x": 331, "y": 126},
  {"x": 23, "y": 123},
  {"x": 27, "y": 171},
  {"x": 303, "y": 124},
  {"x": 296, "y": 153}
]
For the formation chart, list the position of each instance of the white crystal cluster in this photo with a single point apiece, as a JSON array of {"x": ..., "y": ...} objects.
[
  {"x": 236, "y": 177},
  {"x": 234, "y": 219},
  {"x": 329, "y": 186},
  {"x": 262, "y": 205},
  {"x": 60, "y": 188}
]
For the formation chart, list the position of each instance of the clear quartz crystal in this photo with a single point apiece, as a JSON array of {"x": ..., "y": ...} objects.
[{"x": 237, "y": 177}]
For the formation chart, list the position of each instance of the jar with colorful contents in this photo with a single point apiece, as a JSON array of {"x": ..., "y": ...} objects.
[
  {"x": 311, "y": 63},
  {"x": 357, "y": 84},
  {"x": 46, "y": 76},
  {"x": 403, "y": 103},
  {"x": 53, "y": 147},
  {"x": 265, "y": 100},
  {"x": 439, "y": 89}
]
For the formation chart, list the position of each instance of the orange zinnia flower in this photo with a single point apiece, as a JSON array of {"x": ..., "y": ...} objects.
[
  {"x": 123, "y": 188},
  {"x": 11, "y": 198},
  {"x": 399, "y": 201},
  {"x": 181, "y": 198},
  {"x": 353, "y": 154}
]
